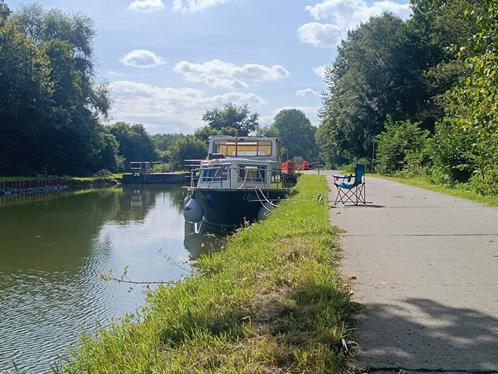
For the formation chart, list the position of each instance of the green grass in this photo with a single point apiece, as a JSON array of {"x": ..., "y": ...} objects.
[
  {"x": 92, "y": 179},
  {"x": 458, "y": 192},
  {"x": 271, "y": 301},
  {"x": 78, "y": 179},
  {"x": 16, "y": 179}
]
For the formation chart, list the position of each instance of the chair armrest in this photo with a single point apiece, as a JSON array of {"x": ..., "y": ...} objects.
[{"x": 343, "y": 176}]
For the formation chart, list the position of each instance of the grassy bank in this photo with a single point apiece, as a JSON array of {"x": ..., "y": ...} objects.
[
  {"x": 117, "y": 176},
  {"x": 271, "y": 301},
  {"x": 74, "y": 179},
  {"x": 458, "y": 192}
]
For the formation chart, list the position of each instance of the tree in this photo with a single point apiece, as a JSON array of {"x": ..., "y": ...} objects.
[
  {"x": 230, "y": 118},
  {"x": 295, "y": 133},
  {"x": 205, "y": 132},
  {"x": 25, "y": 91},
  {"x": 186, "y": 148},
  {"x": 108, "y": 148},
  {"x": 390, "y": 67},
  {"x": 50, "y": 105},
  {"x": 437, "y": 27},
  {"x": 162, "y": 142},
  {"x": 135, "y": 144},
  {"x": 4, "y": 12},
  {"x": 373, "y": 75},
  {"x": 466, "y": 141}
]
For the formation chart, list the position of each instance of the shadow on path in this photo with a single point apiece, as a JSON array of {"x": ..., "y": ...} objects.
[{"x": 424, "y": 335}]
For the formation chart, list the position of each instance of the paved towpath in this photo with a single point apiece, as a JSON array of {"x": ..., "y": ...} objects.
[{"x": 425, "y": 265}]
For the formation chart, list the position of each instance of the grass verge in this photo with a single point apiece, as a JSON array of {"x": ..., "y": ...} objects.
[
  {"x": 457, "y": 192},
  {"x": 271, "y": 301},
  {"x": 75, "y": 179}
]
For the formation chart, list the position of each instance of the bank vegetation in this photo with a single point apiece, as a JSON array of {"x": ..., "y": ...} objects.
[{"x": 271, "y": 301}]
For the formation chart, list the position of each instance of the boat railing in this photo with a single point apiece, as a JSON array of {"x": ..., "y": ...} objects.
[{"x": 221, "y": 175}]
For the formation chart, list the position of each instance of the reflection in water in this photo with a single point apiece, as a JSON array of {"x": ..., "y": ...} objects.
[
  {"x": 54, "y": 249},
  {"x": 198, "y": 240}
]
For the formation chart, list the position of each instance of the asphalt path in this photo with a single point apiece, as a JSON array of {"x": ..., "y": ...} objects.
[{"x": 425, "y": 267}]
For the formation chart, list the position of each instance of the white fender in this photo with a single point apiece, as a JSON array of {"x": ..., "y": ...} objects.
[{"x": 193, "y": 211}]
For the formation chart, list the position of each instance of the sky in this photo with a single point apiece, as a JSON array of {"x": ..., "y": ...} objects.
[{"x": 168, "y": 61}]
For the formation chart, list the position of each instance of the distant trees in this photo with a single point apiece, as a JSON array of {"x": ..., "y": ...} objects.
[
  {"x": 228, "y": 120},
  {"x": 186, "y": 148},
  {"x": 134, "y": 143},
  {"x": 162, "y": 143},
  {"x": 295, "y": 132}
]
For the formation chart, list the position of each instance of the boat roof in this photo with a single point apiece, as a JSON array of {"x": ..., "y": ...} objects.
[
  {"x": 242, "y": 138},
  {"x": 238, "y": 160}
]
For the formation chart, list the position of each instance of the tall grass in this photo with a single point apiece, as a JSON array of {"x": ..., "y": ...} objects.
[
  {"x": 457, "y": 190},
  {"x": 271, "y": 301}
]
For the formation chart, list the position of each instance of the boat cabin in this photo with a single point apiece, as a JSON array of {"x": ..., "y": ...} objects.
[
  {"x": 250, "y": 147},
  {"x": 235, "y": 174},
  {"x": 239, "y": 163}
]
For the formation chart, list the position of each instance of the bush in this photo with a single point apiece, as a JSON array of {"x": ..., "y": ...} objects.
[
  {"x": 451, "y": 154},
  {"x": 186, "y": 148},
  {"x": 401, "y": 146}
]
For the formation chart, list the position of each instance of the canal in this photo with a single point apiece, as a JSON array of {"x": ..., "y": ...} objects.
[{"x": 54, "y": 249}]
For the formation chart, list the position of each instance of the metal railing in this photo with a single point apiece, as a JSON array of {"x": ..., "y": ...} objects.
[{"x": 223, "y": 175}]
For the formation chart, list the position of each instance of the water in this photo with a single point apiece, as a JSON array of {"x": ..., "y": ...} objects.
[{"x": 54, "y": 249}]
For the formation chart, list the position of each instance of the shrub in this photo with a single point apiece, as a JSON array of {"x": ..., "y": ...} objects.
[{"x": 401, "y": 144}]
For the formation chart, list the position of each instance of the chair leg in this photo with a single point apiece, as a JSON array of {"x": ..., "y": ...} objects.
[
  {"x": 355, "y": 196},
  {"x": 363, "y": 194},
  {"x": 338, "y": 196}
]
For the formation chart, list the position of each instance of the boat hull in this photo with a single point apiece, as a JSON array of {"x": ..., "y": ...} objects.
[{"x": 227, "y": 210}]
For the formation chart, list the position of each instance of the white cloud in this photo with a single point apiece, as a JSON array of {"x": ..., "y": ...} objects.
[
  {"x": 146, "y": 6},
  {"x": 320, "y": 71},
  {"x": 166, "y": 109},
  {"x": 216, "y": 73},
  {"x": 343, "y": 15},
  {"x": 191, "y": 6},
  {"x": 349, "y": 13},
  {"x": 306, "y": 92},
  {"x": 142, "y": 58},
  {"x": 320, "y": 35}
]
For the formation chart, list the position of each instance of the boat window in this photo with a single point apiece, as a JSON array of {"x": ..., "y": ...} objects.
[
  {"x": 252, "y": 174},
  {"x": 248, "y": 149},
  {"x": 264, "y": 148},
  {"x": 215, "y": 174}
]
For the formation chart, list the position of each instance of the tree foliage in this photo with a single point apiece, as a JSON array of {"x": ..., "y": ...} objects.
[
  {"x": 50, "y": 104},
  {"x": 466, "y": 141},
  {"x": 186, "y": 148},
  {"x": 437, "y": 69},
  {"x": 134, "y": 143},
  {"x": 375, "y": 75},
  {"x": 232, "y": 118},
  {"x": 295, "y": 132},
  {"x": 400, "y": 143}
]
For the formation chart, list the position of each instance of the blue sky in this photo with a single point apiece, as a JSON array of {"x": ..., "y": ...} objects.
[{"x": 167, "y": 61}]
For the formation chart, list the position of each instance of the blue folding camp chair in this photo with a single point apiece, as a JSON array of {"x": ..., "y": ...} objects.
[{"x": 351, "y": 192}]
